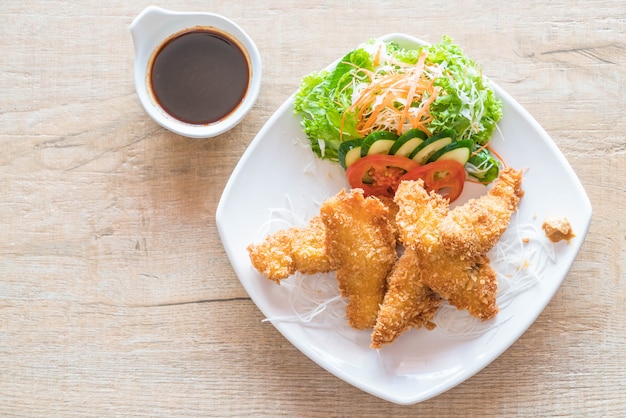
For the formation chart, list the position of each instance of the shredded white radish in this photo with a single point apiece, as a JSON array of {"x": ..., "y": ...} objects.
[{"x": 310, "y": 296}]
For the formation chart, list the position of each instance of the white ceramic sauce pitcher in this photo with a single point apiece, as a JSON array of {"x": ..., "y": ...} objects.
[{"x": 151, "y": 28}]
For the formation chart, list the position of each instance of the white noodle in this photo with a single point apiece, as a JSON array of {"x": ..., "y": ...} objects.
[{"x": 312, "y": 295}]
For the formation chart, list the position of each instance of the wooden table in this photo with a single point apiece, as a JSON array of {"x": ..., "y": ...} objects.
[{"x": 116, "y": 295}]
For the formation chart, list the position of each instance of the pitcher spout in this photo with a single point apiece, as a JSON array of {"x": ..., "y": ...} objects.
[{"x": 146, "y": 25}]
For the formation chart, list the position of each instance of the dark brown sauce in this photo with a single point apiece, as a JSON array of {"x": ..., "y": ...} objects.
[{"x": 199, "y": 76}]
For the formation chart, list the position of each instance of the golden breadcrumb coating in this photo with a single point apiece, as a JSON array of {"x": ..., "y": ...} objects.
[
  {"x": 475, "y": 227},
  {"x": 283, "y": 253},
  {"x": 419, "y": 215},
  {"x": 393, "y": 209},
  {"x": 308, "y": 248},
  {"x": 452, "y": 244},
  {"x": 407, "y": 303},
  {"x": 272, "y": 257},
  {"x": 362, "y": 250},
  {"x": 469, "y": 284}
]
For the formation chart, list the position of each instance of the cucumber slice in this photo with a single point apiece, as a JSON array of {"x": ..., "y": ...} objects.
[
  {"x": 458, "y": 151},
  {"x": 349, "y": 152},
  {"x": 382, "y": 146},
  {"x": 407, "y": 142},
  {"x": 433, "y": 144},
  {"x": 352, "y": 155},
  {"x": 371, "y": 143}
]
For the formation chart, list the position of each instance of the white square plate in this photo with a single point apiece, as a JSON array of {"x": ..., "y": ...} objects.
[{"x": 279, "y": 174}]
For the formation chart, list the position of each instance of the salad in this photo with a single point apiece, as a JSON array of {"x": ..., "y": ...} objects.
[{"x": 388, "y": 114}]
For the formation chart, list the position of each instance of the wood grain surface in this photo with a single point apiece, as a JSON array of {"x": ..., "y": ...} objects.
[{"x": 116, "y": 296}]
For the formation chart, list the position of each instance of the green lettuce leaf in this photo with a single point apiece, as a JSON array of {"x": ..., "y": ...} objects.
[
  {"x": 469, "y": 105},
  {"x": 483, "y": 167},
  {"x": 322, "y": 100}
]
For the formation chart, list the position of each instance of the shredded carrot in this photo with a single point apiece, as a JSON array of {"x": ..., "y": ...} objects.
[
  {"x": 386, "y": 103},
  {"x": 493, "y": 151},
  {"x": 399, "y": 97},
  {"x": 479, "y": 149},
  {"x": 377, "y": 57},
  {"x": 419, "y": 69},
  {"x": 498, "y": 156}
]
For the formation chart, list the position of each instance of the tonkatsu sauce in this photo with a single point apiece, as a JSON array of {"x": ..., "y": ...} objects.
[{"x": 199, "y": 76}]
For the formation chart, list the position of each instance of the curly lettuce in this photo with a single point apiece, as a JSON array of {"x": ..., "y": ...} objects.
[
  {"x": 466, "y": 104},
  {"x": 322, "y": 100}
]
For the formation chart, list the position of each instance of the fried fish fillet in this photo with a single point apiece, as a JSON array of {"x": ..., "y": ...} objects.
[
  {"x": 475, "y": 227},
  {"x": 419, "y": 215},
  {"x": 468, "y": 284},
  {"x": 283, "y": 253},
  {"x": 452, "y": 244},
  {"x": 361, "y": 246},
  {"x": 407, "y": 303},
  {"x": 393, "y": 209},
  {"x": 308, "y": 248},
  {"x": 444, "y": 257}
]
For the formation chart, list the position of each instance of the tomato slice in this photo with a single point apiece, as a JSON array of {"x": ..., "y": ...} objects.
[
  {"x": 445, "y": 177},
  {"x": 379, "y": 174}
]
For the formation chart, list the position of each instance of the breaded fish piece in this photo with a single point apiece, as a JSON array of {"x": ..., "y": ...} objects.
[
  {"x": 283, "y": 253},
  {"x": 361, "y": 247},
  {"x": 308, "y": 248},
  {"x": 452, "y": 244},
  {"x": 407, "y": 303},
  {"x": 468, "y": 284},
  {"x": 475, "y": 227},
  {"x": 393, "y": 208},
  {"x": 419, "y": 215},
  {"x": 272, "y": 257}
]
